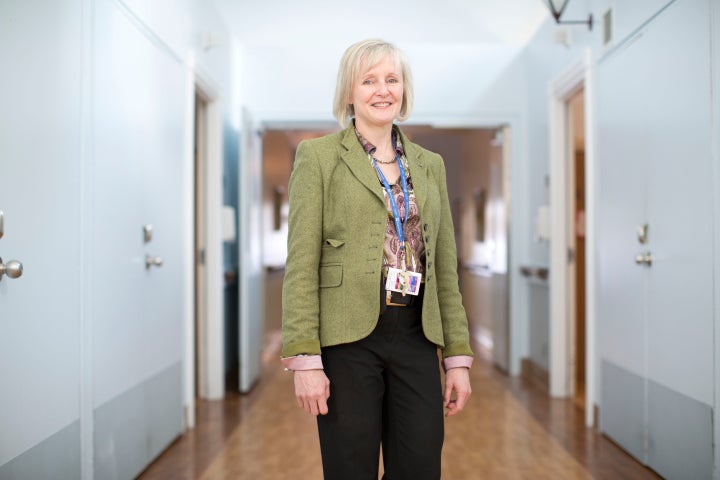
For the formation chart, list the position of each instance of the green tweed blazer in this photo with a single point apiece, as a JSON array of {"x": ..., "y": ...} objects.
[{"x": 338, "y": 214}]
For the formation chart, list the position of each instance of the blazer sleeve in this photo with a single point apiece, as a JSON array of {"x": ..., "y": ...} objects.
[
  {"x": 452, "y": 313},
  {"x": 300, "y": 297}
]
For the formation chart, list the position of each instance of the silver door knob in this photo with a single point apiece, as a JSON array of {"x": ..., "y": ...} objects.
[
  {"x": 644, "y": 259},
  {"x": 150, "y": 261},
  {"x": 12, "y": 269}
]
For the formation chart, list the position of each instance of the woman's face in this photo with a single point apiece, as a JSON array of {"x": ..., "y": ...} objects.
[{"x": 377, "y": 94}]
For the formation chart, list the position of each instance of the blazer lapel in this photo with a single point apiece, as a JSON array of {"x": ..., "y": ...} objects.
[
  {"x": 418, "y": 171},
  {"x": 356, "y": 159}
]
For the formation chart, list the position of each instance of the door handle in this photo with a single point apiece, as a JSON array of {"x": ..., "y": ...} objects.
[
  {"x": 644, "y": 259},
  {"x": 12, "y": 269},
  {"x": 150, "y": 261}
]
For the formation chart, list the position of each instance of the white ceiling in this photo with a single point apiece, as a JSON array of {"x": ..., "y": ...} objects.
[{"x": 342, "y": 22}]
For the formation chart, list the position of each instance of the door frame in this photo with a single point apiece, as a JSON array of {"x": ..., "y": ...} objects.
[
  {"x": 251, "y": 289},
  {"x": 515, "y": 173},
  {"x": 715, "y": 76},
  {"x": 561, "y": 88},
  {"x": 515, "y": 158},
  {"x": 211, "y": 349}
]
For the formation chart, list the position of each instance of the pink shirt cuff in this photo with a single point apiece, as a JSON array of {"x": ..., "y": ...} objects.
[
  {"x": 302, "y": 362},
  {"x": 314, "y": 362},
  {"x": 457, "y": 361}
]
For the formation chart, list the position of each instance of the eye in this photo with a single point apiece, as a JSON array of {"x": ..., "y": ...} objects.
[
  {"x": 393, "y": 80},
  {"x": 367, "y": 81}
]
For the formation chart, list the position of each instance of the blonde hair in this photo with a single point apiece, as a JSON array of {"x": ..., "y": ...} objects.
[{"x": 366, "y": 54}]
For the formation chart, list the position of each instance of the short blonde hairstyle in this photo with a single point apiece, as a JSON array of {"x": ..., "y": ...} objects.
[{"x": 366, "y": 54}]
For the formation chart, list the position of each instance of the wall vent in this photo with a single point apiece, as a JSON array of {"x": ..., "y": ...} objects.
[{"x": 608, "y": 26}]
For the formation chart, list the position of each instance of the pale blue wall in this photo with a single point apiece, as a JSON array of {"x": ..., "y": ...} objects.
[
  {"x": 518, "y": 91},
  {"x": 544, "y": 61},
  {"x": 116, "y": 77}
]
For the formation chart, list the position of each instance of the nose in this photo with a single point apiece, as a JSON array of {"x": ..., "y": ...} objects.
[{"x": 382, "y": 88}]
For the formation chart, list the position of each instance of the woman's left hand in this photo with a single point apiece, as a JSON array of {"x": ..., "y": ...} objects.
[{"x": 456, "y": 380}]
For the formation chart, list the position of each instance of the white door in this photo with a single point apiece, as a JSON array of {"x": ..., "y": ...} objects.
[
  {"x": 138, "y": 175},
  {"x": 41, "y": 184},
  {"x": 622, "y": 285},
  {"x": 656, "y": 317},
  {"x": 252, "y": 276},
  {"x": 680, "y": 348}
]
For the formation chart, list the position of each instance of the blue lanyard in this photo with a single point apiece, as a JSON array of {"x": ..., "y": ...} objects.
[{"x": 399, "y": 222}]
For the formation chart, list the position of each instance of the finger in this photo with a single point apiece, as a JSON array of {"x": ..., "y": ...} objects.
[
  {"x": 452, "y": 408},
  {"x": 322, "y": 406},
  {"x": 464, "y": 391},
  {"x": 309, "y": 403},
  {"x": 460, "y": 401},
  {"x": 458, "y": 404},
  {"x": 447, "y": 396}
]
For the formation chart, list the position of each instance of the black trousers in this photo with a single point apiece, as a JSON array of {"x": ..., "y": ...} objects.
[{"x": 384, "y": 389}]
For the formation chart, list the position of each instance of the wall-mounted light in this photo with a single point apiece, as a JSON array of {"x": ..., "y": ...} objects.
[{"x": 557, "y": 7}]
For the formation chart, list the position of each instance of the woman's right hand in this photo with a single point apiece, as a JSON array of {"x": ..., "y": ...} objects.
[{"x": 312, "y": 389}]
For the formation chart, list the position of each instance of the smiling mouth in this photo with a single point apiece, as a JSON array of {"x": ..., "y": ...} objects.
[{"x": 381, "y": 104}]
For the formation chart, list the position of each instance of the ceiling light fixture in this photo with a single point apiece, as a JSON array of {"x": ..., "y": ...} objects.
[{"x": 557, "y": 7}]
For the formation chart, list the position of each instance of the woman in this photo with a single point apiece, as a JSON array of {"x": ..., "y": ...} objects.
[{"x": 371, "y": 288}]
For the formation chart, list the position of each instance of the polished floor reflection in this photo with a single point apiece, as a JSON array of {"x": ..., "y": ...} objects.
[{"x": 510, "y": 430}]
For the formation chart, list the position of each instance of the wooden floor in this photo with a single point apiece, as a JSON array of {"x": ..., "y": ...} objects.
[{"x": 509, "y": 430}]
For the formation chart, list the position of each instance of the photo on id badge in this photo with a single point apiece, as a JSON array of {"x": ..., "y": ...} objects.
[{"x": 404, "y": 282}]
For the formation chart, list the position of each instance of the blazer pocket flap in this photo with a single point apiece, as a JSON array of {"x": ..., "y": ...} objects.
[
  {"x": 334, "y": 243},
  {"x": 331, "y": 275}
]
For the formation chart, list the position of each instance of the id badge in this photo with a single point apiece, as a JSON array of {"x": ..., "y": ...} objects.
[{"x": 407, "y": 283}]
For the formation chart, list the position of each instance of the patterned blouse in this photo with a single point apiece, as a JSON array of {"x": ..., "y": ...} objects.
[{"x": 414, "y": 246}]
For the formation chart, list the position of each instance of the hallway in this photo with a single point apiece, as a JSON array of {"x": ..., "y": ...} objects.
[
  {"x": 509, "y": 430},
  {"x": 136, "y": 218}
]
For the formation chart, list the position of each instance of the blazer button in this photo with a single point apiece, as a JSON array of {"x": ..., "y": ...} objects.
[
  {"x": 429, "y": 264},
  {"x": 425, "y": 227},
  {"x": 427, "y": 239}
]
